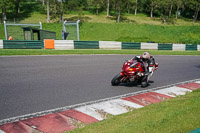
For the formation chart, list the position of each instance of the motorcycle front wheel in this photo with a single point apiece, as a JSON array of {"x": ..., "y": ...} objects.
[{"x": 116, "y": 80}]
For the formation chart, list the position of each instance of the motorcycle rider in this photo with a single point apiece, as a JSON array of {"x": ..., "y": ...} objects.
[{"x": 148, "y": 61}]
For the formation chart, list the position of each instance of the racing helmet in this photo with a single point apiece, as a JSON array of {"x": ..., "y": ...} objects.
[{"x": 146, "y": 56}]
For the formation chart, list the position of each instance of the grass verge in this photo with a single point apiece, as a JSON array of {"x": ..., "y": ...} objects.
[
  {"x": 123, "y": 32},
  {"x": 171, "y": 116},
  {"x": 140, "y": 33},
  {"x": 10, "y": 52}
]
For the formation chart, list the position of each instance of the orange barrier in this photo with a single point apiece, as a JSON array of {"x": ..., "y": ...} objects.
[{"x": 49, "y": 43}]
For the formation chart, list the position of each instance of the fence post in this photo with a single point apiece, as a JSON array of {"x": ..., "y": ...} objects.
[
  {"x": 72, "y": 23},
  {"x": 6, "y": 37},
  {"x": 77, "y": 25},
  {"x": 64, "y": 29},
  {"x": 40, "y": 25}
]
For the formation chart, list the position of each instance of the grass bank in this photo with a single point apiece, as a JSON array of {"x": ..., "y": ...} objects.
[
  {"x": 10, "y": 52},
  {"x": 123, "y": 32},
  {"x": 179, "y": 115},
  {"x": 140, "y": 33},
  {"x": 140, "y": 28}
]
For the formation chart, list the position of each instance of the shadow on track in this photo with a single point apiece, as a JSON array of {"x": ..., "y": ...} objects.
[
  {"x": 134, "y": 84},
  {"x": 198, "y": 66}
]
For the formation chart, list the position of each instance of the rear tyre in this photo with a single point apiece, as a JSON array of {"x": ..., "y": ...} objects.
[{"x": 116, "y": 80}]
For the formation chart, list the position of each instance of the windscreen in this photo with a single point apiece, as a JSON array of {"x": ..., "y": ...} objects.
[{"x": 134, "y": 64}]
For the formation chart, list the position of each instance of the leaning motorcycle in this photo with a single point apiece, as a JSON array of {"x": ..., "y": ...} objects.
[{"x": 132, "y": 71}]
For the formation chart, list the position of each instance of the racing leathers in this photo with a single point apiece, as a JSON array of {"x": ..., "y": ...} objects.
[{"x": 149, "y": 65}]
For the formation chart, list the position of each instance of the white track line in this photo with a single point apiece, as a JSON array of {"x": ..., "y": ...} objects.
[{"x": 197, "y": 82}]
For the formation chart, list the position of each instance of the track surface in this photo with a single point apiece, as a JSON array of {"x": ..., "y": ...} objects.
[{"x": 31, "y": 84}]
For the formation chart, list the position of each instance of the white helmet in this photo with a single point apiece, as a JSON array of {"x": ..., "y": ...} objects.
[{"x": 146, "y": 55}]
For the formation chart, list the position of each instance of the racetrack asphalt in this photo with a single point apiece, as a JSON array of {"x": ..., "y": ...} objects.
[{"x": 31, "y": 84}]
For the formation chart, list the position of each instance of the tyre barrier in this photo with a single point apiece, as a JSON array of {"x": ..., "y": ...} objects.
[{"x": 111, "y": 45}]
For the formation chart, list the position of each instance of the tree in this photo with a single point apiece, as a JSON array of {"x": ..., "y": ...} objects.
[
  {"x": 61, "y": 11},
  {"x": 43, "y": 2},
  {"x": 108, "y": 8},
  {"x": 128, "y": 6},
  {"x": 153, "y": 5},
  {"x": 17, "y": 6},
  {"x": 178, "y": 4},
  {"x": 55, "y": 9},
  {"x": 97, "y": 4},
  {"x": 170, "y": 5},
  {"x": 166, "y": 7},
  {"x": 136, "y": 2},
  {"x": 192, "y": 8},
  {"x": 197, "y": 8},
  {"x": 120, "y": 4},
  {"x": 4, "y": 5},
  {"x": 48, "y": 12},
  {"x": 72, "y": 5},
  {"x": 134, "y": 5}
]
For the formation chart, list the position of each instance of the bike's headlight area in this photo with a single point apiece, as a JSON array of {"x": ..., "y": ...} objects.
[{"x": 131, "y": 69}]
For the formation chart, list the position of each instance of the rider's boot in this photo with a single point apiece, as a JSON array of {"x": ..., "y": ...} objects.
[{"x": 144, "y": 82}]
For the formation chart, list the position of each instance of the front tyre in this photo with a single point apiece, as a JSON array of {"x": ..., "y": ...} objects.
[{"x": 116, "y": 80}]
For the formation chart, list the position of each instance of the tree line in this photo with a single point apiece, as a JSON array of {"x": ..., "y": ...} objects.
[{"x": 153, "y": 8}]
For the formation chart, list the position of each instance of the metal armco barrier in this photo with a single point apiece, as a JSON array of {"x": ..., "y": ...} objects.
[
  {"x": 110, "y": 45},
  {"x": 164, "y": 46},
  {"x": 149, "y": 46},
  {"x": 178, "y": 47},
  {"x": 64, "y": 44},
  {"x": 131, "y": 45},
  {"x": 1, "y": 43},
  {"x": 86, "y": 45},
  {"x": 191, "y": 47},
  {"x": 7, "y": 44},
  {"x": 71, "y": 44}
]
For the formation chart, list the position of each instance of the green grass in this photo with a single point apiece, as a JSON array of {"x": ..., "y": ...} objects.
[
  {"x": 178, "y": 115},
  {"x": 125, "y": 32},
  {"x": 140, "y": 28},
  {"x": 35, "y": 17},
  {"x": 2, "y": 34},
  {"x": 140, "y": 33},
  {"x": 86, "y": 51}
]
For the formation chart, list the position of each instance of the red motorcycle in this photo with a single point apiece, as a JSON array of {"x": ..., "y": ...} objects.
[{"x": 132, "y": 71}]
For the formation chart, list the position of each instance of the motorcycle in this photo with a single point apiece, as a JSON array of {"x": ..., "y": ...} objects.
[{"x": 132, "y": 71}]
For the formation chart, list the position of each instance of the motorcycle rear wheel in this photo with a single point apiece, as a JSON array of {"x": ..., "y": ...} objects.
[{"x": 116, "y": 80}]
